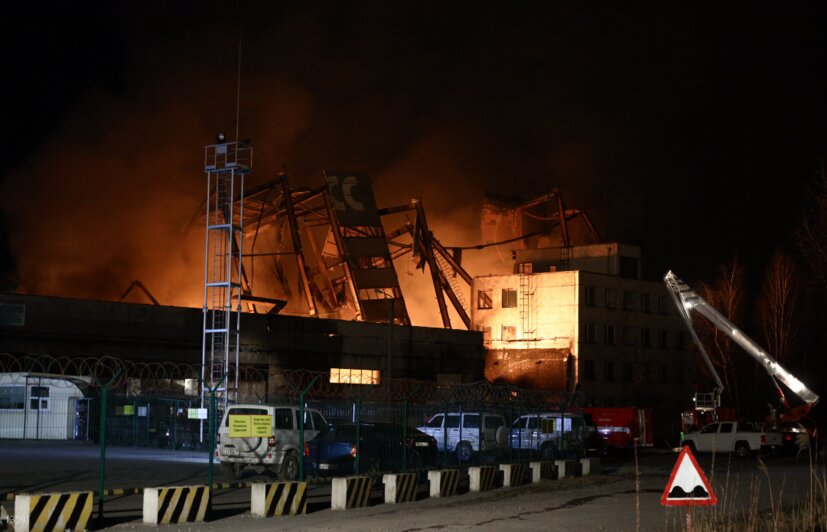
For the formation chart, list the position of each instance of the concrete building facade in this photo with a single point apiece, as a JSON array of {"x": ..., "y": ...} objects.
[{"x": 599, "y": 329}]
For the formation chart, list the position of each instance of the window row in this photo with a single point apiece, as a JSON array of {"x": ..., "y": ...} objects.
[
  {"x": 611, "y": 371},
  {"x": 508, "y": 298},
  {"x": 14, "y": 397},
  {"x": 632, "y": 337},
  {"x": 627, "y": 299}
]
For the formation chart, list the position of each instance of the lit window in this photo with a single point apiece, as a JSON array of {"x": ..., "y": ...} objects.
[
  {"x": 354, "y": 376},
  {"x": 484, "y": 299},
  {"x": 509, "y": 298},
  {"x": 525, "y": 267}
]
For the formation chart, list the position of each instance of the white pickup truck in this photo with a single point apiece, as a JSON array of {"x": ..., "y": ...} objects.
[{"x": 742, "y": 438}]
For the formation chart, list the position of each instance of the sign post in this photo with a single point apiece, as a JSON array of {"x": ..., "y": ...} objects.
[{"x": 688, "y": 486}]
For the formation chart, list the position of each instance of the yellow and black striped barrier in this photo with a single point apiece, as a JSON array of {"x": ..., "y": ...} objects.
[
  {"x": 278, "y": 498},
  {"x": 567, "y": 468},
  {"x": 178, "y": 504},
  {"x": 400, "y": 487},
  {"x": 350, "y": 492},
  {"x": 513, "y": 474},
  {"x": 444, "y": 482},
  {"x": 589, "y": 466},
  {"x": 482, "y": 478},
  {"x": 543, "y": 471},
  {"x": 52, "y": 512}
]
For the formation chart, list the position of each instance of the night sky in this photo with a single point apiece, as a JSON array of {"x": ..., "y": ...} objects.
[{"x": 693, "y": 130}]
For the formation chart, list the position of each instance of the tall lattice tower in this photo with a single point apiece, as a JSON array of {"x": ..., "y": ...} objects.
[{"x": 226, "y": 164}]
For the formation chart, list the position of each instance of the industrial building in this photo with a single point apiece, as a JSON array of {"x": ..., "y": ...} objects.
[{"x": 581, "y": 318}]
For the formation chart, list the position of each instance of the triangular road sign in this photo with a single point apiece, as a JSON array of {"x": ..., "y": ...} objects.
[{"x": 688, "y": 485}]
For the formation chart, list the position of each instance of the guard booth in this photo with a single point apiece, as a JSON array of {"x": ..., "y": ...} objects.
[{"x": 43, "y": 406}]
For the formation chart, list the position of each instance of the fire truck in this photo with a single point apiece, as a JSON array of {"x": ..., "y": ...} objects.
[
  {"x": 622, "y": 427},
  {"x": 707, "y": 406}
]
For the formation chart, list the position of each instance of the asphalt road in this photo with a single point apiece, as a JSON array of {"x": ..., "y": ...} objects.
[{"x": 622, "y": 497}]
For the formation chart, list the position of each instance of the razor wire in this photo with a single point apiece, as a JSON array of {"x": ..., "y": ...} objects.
[{"x": 268, "y": 384}]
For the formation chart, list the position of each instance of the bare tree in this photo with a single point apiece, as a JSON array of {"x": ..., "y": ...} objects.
[
  {"x": 811, "y": 232},
  {"x": 779, "y": 311},
  {"x": 727, "y": 295}
]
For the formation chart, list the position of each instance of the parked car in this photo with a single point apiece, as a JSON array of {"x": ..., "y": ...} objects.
[
  {"x": 265, "y": 437},
  {"x": 551, "y": 435},
  {"x": 334, "y": 452},
  {"x": 462, "y": 433},
  {"x": 742, "y": 438}
]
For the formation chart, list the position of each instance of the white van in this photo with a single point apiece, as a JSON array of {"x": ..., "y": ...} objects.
[
  {"x": 265, "y": 437},
  {"x": 551, "y": 434},
  {"x": 464, "y": 434}
]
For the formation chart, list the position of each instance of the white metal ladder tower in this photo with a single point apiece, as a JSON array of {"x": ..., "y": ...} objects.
[{"x": 226, "y": 164}]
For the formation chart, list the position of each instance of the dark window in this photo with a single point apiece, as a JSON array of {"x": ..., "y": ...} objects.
[
  {"x": 591, "y": 296},
  {"x": 609, "y": 337},
  {"x": 645, "y": 303},
  {"x": 725, "y": 427},
  {"x": 628, "y": 267},
  {"x": 453, "y": 421},
  {"x": 662, "y": 373},
  {"x": 471, "y": 421},
  {"x": 710, "y": 429},
  {"x": 509, "y": 298},
  {"x": 627, "y": 300},
  {"x": 680, "y": 341},
  {"x": 245, "y": 412},
  {"x": 12, "y": 397},
  {"x": 525, "y": 267},
  {"x": 284, "y": 418},
  {"x": 663, "y": 304},
  {"x": 435, "y": 422},
  {"x": 628, "y": 336},
  {"x": 608, "y": 371},
  {"x": 588, "y": 370},
  {"x": 645, "y": 338},
  {"x": 663, "y": 340},
  {"x": 611, "y": 298},
  {"x": 588, "y": 333},
  {"x": 319, "y": 422},
  {"x": 628, "y": 371},
  {"x": 484, "y": 299},
  {"x": 679, "y": 375}
]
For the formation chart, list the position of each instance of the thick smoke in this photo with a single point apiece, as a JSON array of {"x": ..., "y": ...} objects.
[{"x": 112, "y": 196}]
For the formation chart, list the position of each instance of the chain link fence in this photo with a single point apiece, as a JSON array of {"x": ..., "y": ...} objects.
[{"x": 107, "y": 424}]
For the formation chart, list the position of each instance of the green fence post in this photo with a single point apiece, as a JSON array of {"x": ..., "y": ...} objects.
[
  {"x": 135, "y": 423},
  {"x": 510, "y": 443},
  {"x": 102, "y": 458},
  {"x": 358, "y": 418},
  {"x": 404, "y": 435},
  {"x": 174, "y": 424},
  {"x": 212, "y": 441},
  {"x": 301, "y": 427}
]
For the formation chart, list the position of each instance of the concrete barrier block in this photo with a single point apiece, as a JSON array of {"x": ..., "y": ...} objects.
[
  {"x": 567, "y": 468},
  {"x": 177, "y": 504},
  {"x": 513, "y": 474},
  {"x": 543, "y": 471},
  {"x": 278, "y": 498},
  {"x": 443, "y": 482},
  {"x": 49, "y": 512},
  {"x": 482, "y": 478},
  {"x": 589, "y": 466},
  {"x": 400, "y": 487},
  {"x": 350, "y": 492}
]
